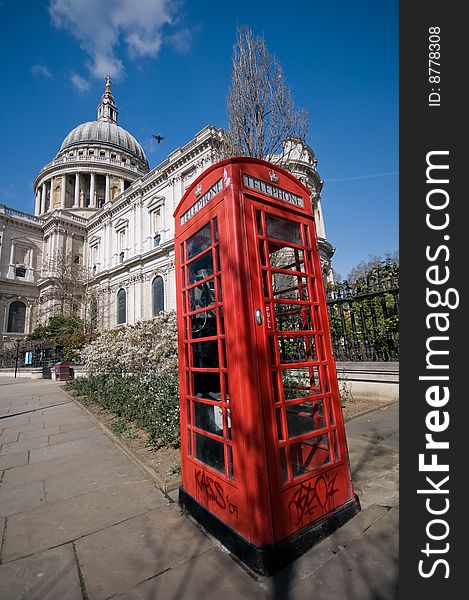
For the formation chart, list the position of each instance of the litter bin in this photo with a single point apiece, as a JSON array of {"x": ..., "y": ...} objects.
[{"x": 62, "y": 371}]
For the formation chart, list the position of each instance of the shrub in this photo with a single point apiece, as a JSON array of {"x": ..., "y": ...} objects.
[
  {"x": 132, "y": 371},
  {"x": 151, "y": 401},
  {"x": 141, "y": 348}
]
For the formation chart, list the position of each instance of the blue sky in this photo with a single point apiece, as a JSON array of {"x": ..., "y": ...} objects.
[{"x": 170, "y": 63}]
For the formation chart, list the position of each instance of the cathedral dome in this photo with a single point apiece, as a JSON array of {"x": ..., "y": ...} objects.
[
  {"x": 104, "y": 132},
  {"x": 96, "y": 163}
]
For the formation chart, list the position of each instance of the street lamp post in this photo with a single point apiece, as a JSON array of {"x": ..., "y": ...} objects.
[{"x": 17, "y": 356}]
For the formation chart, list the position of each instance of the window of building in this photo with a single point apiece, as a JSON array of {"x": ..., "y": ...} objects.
[
  {"x": 113, "y": 156},
  {"x": 91, "y": 152},
  {"x": 94, "y": 254},
  {"x": 76, "y": 259},
  {"x": 102, "y": 153},
  {"x": 20, "y": 254},
  {"x": 121, "y": 243},
  {"x": 157, "y": 295},
  {"x": 20, "y": 271},
  {"x": 16, "y": 317},
  {"x": 121, "y": 307},
  {"x": 156, "y": 220}
]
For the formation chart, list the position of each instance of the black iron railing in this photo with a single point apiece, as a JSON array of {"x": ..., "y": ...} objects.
[{"x": 364, "y": 316}]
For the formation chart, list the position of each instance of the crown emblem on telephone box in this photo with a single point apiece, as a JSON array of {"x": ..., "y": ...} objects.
[{"x": 273, "y": 176}]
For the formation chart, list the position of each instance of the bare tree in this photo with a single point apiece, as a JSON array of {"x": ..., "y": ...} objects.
[
  {"x": 373, "y": 262},
  {"x": 68, "y": 284},
  {"x": 261, "y": 110}
]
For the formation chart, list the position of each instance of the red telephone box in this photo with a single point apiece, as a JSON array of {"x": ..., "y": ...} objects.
[{"x": 264, "y": 456}]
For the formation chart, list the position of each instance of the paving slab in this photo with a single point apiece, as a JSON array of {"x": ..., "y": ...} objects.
[
  {"x": 8, "y": 436},
  {"x": 365, "y": 570},
  {"x": 59, "y": 465},
  {"x": 376, "y": 425},
  {"x": 94, "y": 475},
  {"x": 68, "y": 449},
  {"x": 43, "y": 431},
  {"x": 77, "y": 434},
  {"x": 62, "y": 411},
  {"x": 15, "y": 422},
  {"x": 213, "y": 575},
  {"x": 21, "y": 497},
  {"x": 37, "y": 442},
  {"x": 75, "y": 424},
  {"x": 14, "y": 460},
  {"x": 120, "y": 557},
  {"x": 322, "y": 553},
  {"x": 392, "y": 441},
  {"x": 60, "y": 522},
  {"x": 50, "y": 575},
  {"x": 375, "y": 472}
]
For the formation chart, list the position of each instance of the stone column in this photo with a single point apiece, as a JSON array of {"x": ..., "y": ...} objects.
[
  {"x": 122, "y": 185},
  {"x": 30, "y": 269},
  {"x": 51, "y": 194},
  {"x": 76, "y": 196},
  {"x": 108, "y": 190},
  {"x": 92, "y": 189},
  {"x": 320, "y": 229},
  {"x": 11, "y": 266},
  {"x": 62, "y": 191},
  {"x": 138, "y": 233},
  {"x": 3, "y": 316},
  {"x": 103, "y": 248},
  {"x": 43, "y": 198},
  {"x": 37, "y": 208}
]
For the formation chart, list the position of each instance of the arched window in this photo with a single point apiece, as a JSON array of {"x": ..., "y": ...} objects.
[
  {"x": 121, "y": 307},
  {"x": 93, "y": 314},
  {"x": 16, "y": 317},
  {"x": 157, "y": 295}
]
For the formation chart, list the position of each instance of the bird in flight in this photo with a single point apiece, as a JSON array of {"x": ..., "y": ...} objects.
[{"x": 158, "y": 138}]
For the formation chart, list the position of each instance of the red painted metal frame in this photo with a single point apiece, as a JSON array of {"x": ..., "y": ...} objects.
[{"x": 257, "y": 501}]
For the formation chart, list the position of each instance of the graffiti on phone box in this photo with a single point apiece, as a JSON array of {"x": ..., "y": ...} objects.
[
  {"x": 214, "y": 491},
  {"x": 309, "y": 497}
]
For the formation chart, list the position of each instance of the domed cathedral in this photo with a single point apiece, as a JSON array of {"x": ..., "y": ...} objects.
[
  {"x": 97, "y": 161},
  {"x": 100, "y": 244}
]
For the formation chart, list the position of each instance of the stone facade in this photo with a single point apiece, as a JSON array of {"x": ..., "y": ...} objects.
[{"x": 103, "y": 212}]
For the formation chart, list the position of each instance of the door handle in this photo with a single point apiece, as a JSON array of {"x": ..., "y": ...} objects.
[{"x": 259, "y": 319}]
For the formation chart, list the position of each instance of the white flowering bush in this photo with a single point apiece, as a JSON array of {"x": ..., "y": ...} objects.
[
  {"x": 144, "y": 347},
  {"x": 132, "y": 371}
]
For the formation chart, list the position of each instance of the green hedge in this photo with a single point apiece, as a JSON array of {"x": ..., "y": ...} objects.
[{"x": 150, "y": 401}]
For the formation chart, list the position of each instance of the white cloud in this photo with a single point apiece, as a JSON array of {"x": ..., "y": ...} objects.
[
  {"x": 79, "y": 82},
  {"x": 102, "y": 26},
  {"x": 41, "y": 72},
  {"x": 181, "y": 40}
]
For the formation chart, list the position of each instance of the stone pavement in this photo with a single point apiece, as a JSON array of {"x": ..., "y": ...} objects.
[{"x": 79, "y": 520}]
